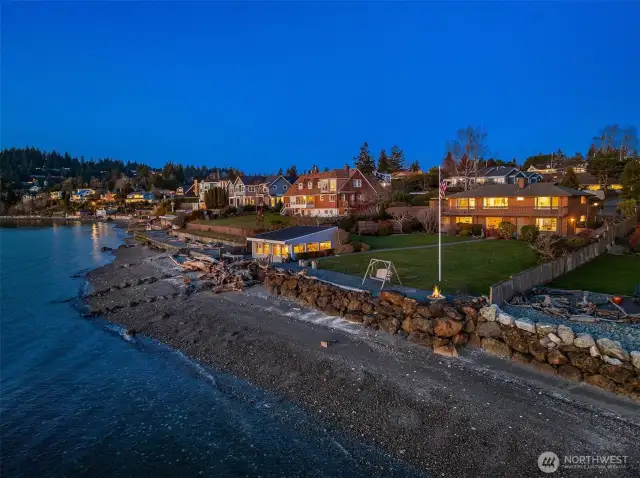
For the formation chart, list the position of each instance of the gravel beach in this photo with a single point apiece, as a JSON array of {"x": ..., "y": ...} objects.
[{"x": 472, "y": 416}]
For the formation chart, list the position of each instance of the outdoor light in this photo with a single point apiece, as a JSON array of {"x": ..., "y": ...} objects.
[
  {"x": 436, "y": 294},
  {"x": 595, "y": 203},
  {"x": 519, "y": 199},
  {"x": 573, "y": 219}
]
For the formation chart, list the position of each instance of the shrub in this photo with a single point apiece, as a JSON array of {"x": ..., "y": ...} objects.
[
  {"x": 277, "y": 224},
  {"x": 594, "y": 223},
  {"x": 415, "y": 225},
  {"x": 529, "y": 233},
  {"x": 249, "y": 208},
  {"x": 465, "y": 232},
  {"x": 507, "y": 229},
  {"x": 357, "y": 246},
  {"x": 385, "y": 228},
  {"x": 476, "y": 229},
  {"x": 399, "y": 196},
  {"x": 628, "y": 207},
  {"x": 278, "y": 207},
  {"x": 575, "y": 242},
  {"x": 420, "y": 200}
]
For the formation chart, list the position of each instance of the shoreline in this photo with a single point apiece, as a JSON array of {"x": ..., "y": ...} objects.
[{"x": 442, "y": 416}]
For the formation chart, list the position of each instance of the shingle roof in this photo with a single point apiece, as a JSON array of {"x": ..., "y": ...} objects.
[
  {"x": 291, "y": 233},
  {"x": 513, "y": 190},
  {"x": 252, "y": 180}
]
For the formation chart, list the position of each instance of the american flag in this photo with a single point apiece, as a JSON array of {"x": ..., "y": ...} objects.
[{"x": 443, "y": 189}]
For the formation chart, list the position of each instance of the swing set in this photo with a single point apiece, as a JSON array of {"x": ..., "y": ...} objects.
[{"x": 382, "y": 271}]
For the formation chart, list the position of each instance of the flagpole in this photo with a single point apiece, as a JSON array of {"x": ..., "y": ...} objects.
[{"x": 439, "y": 227}]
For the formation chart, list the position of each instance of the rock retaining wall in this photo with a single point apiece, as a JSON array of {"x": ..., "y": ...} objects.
[{"x": 445, "y": 326}]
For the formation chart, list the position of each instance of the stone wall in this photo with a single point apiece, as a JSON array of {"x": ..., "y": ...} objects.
[
  {"x": 445, "y": 326},
  {"x": 226, "y": 230}
]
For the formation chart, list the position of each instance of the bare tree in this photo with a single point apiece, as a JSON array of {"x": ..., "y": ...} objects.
[
  {"x": 628, "y": 141},
  {"x": 400, "y": 217},
  {"x": 428, "y": 217},
  {"x": 467, "y": 149}
]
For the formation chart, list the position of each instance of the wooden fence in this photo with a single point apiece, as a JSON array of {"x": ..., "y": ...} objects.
[{"x": 544, "y": 273}]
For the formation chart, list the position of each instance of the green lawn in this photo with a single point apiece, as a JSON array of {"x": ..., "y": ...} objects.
[
  {"x": 466, "y": 268},
  {"x": 608, "y": 274},
  {"x": 248, "y": 221},
  {"x": 404, "y": 240}
]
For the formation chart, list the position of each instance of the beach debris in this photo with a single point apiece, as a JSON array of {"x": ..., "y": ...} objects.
[
  {"x": 220, "y": 275},
  {"x": 324, "y": 344}
]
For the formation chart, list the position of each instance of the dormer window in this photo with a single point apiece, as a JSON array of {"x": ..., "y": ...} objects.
[
  {"x": 310, "y": 185},
  {"x": 300, "y": 185}
]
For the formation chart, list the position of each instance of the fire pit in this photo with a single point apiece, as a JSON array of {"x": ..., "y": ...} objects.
[{"x": 436, "y": 294}]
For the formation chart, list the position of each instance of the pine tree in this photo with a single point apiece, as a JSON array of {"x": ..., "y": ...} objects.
[
  {"x": 570, "y": 179},
  {"x": 396, "y": 160},
  {"x": 292, "y": 171},
  {"x": 415, "y": 167},
  {"x": 364, "y": 162},
  {"x": 449, "y": 164},
  {"x": 383, "y": 162},
  {"x": 280, "y": 173}
]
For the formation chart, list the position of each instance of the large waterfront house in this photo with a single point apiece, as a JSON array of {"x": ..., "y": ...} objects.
[
  {"x": 200, "y": 187},
  {"x": 284, "y": 244},
  {"x": 551, "y": 207},
  {"x": 139, "y": 197},
  {"x": 80, "y": 195},
  {"x": 494, "y": 175},
  {"x": 258, "y": 190},
  {"x": 331, "y": 193}
]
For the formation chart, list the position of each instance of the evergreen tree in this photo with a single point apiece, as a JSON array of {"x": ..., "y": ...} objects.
[
  {"x": 630, "y": 179},
  {"x": 383, "y": 162},
  {"x": 292, "y": 171},
  {"x": 364, "y": 162},
  {"x": 396, "y": 160},
  {"x": 570, "y": 179},
  {"x": 280, "y": 173},
  {"x": 449, "y": 164},
  {"x": 415, "y": 167}
]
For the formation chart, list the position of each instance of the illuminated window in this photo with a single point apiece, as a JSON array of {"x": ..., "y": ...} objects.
[
  {"x": 266, "y": 249},
  {"x": 298, "y": 248},
  {"x": 312, "y": 247},
  {"x": 548, "y": 224},
  {"x": 583, "y": 200},
  {"x": 583, "y": 218},
  {"x": 495, "y": 203},
  {"x": 519, "y": 199},
  {"x": 464, "y": 220},
  {"x": 325, "y": 245},
  {"x": 466, "y": 203},
  {"x": 332, "y": 185},
  {"x": 259, "y": 248},
  {"x": 493, "y": 222},
  {"x": 276, "y": 249},
  {"x": 546, "y": 202}
]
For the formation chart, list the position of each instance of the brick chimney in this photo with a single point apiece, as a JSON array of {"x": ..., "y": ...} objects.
[{"x": 522, "y": 182}]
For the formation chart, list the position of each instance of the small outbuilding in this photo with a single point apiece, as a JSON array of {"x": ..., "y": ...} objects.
[{"x": 285, "y": 244}]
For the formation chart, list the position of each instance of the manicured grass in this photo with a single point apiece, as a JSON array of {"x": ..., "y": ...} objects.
[
  {"x": 404, "y": 240},
  {"x": 249, "y": 221},
  {"x": 607, "y": 274},
  {"x": 466, "y": 268}
]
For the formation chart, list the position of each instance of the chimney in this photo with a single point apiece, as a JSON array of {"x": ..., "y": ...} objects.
[
  {"x": 522, "y": 182},
  {"x": 346, "y": 167}
]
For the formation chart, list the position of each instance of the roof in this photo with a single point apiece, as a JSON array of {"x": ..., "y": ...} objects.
[
  {"x": 252, "y": 180},
  {"x": 291, "y": 233},
  {"x": 513, "y": 190},
  {"x": 496, "y": 171}
]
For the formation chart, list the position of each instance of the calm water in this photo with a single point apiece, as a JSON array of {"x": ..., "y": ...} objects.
[{"x": 79, "y": 399}]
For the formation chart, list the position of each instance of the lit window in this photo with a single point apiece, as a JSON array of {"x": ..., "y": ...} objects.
[
  {"x": 466, "y": 203},
  {"x": 495, "y": 203},
  {"x": 325, "y": 245},
  {"x": 464, "y": 220},
  {"x": 546, "y": 202},
  {"x": 493, "y": 222},
  {"x": 548, "y": 224},
  {"x": 312, "y": 247},
  {"x": 298, "y": 248},
  {"x": 583, "y": 200},
  {"x": 259, "y": 248},
  {"x": 583, "y": 218},
  {"x": 332, "y": 185},
  {"x": 519, "y": 198},
  {"x": 357, "y": 183},
  {"x": 266, "y": 249}
]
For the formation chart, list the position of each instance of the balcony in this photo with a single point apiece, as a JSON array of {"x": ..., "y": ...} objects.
[
  {"x": 558, "y": 211},
  {"x": 304, "y": 205}
]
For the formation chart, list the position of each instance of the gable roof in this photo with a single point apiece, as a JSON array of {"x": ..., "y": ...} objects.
[
  {"x": 289, "y": 233},
  {"x": 513, "y": 190},
  {"x": 251, "y": 180}
]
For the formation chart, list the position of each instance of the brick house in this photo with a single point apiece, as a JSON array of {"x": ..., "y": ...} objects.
[
  {"x": 331, "y": 193},
  {"x": 551, "y": 207}
]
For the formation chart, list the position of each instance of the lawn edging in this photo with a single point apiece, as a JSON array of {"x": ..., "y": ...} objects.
[{"x": 445, "y": 325}]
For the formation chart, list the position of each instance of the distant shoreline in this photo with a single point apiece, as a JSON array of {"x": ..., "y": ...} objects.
[{"x": 46, "y": 218}]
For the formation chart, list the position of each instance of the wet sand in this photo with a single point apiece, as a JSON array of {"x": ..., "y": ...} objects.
[{"x": 473, "y": 416}]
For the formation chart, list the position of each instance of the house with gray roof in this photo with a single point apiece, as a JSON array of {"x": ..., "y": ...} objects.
[{"x": 286, "y": 244}]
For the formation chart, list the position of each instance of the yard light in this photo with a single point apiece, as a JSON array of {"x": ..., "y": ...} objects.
[{"x": 573, "y": 219}]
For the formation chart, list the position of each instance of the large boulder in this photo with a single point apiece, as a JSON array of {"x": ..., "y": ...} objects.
[
  {"x": 389, "y": 324},
  {"x": 420, "y": 338},
  {"x": 409, "y": 305},
  {"x": 469, "y": 311},
  {"x": 489, "y": 313},
  {"x": 526, "y": 325},
  {"x": 613, "y": 348},
  {"x": 393, "y": 297},
  {"x": 417, "y": 324},
  {"x": 537, "y": 350},
  {"x": 600, "y": 381},
  {"x": 496, "y": 347},
  {"x": 584, "y": 341},
  {"x": 424, "y": 311},
  {"x": 446, "y": 327},
  {"x": 566, "y": 334},
  {"x": 488, "y": 329},
  {"x": 470, "y": 325},
  {"x": 367, "y": 307},
  {"x": 584, "y": 362},
  {"x": 460, "y": 339},
  {"x": 446, "y": 350},
  {"x": 555, "y": 357},
  {"x": 505, "y": 319},
  {"x": 543, "y": 367},
  {"x": 635, "y": 359},
  {"x": 570, "y": 373},
  {"x": 354, "y": 306},
  {"x": 615, "y": 373},
  {"x": 546, "y": 329},
  {"x": 353, "y": 317},
  {"x": 515, "y": 339}
]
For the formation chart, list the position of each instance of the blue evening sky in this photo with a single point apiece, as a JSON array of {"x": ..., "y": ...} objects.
[{"x": 266, "y": 84}]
